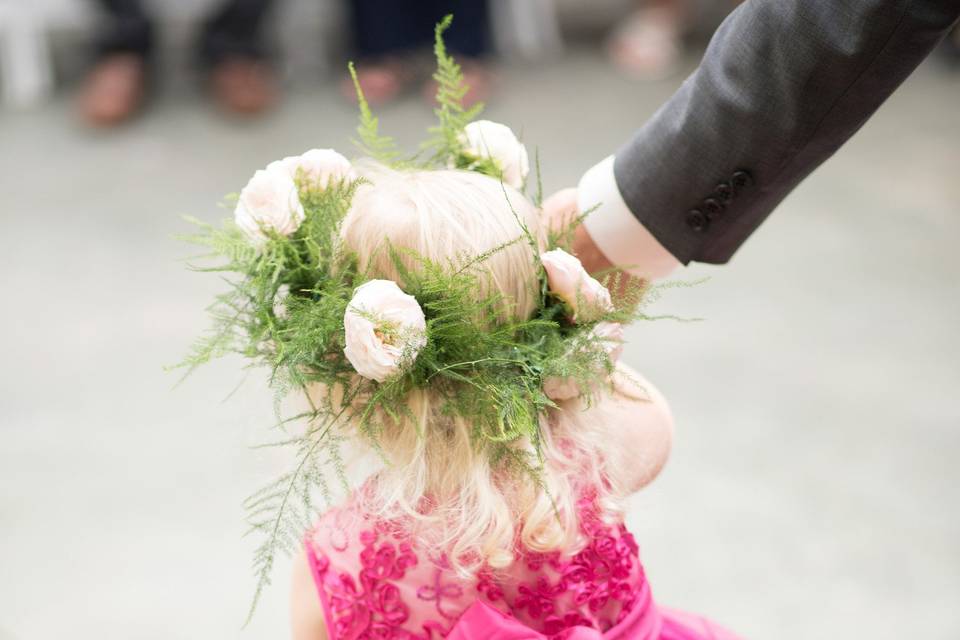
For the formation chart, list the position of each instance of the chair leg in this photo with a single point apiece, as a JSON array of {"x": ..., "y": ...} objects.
[
  {"x": 26, "y": 68},
  {"x": 529, "y": 28}
]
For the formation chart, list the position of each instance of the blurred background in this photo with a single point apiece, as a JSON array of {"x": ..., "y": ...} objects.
[{"x": 813, "y": 486}]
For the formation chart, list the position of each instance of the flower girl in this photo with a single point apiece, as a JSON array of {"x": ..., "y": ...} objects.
[
  {"x": 427, "y": 316},
  {"x": 442, "y": 541}
]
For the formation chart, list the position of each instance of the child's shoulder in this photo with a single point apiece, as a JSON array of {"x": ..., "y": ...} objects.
[
  {"x": 343, "y": 526},
  {"x": 350, "y": 538},
  {"x": 636, "y": 421}
]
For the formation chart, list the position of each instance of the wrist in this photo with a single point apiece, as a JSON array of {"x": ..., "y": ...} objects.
[{"x": 614, "y": 231}]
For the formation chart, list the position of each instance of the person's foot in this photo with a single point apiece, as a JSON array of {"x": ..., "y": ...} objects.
[
  {"x": 243, "y": 86},
  {"x": 115, "y": 89},
  {"x": 381, "y": 82},
  {"x": 647, "y": 45}
]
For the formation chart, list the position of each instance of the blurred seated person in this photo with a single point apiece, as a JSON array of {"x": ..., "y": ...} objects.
[
  {"x": 387, "y": 32},
  {"x": 648, "y": 44},
  {"x": 230, "y": 49}
]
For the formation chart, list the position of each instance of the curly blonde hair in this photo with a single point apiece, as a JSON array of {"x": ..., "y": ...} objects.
[{"x": 436, "y": 477}]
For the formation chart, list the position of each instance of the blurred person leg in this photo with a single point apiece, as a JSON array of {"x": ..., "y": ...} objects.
[
  {"x": 233, "y": 52},
  {"x": 468, "y": 39},
  {"x": 115, "y": 88},
  {"x": 648, "y": 45},
  {"x": 231, "y": 48},
  {"x": 386, "y": 32}
]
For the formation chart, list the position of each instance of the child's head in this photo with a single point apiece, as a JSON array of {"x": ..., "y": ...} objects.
[
  {"x": 437, "y": 475},
  {"x": 446, "y": 216}
]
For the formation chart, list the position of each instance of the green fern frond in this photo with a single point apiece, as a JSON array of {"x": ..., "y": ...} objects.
[
  {"x": 379, "y": 147},
  {"x": 538, "y": 195},
  {"x": 446, "y": 141}
]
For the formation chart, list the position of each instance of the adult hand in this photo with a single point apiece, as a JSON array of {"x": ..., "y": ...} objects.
[{"x": 559, "y": 210}]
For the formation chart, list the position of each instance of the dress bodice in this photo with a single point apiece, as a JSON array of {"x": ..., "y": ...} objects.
[{"x": 375, "y": 582}]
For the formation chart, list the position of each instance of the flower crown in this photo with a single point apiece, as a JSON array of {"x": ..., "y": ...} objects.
[{"x": 301, "y": 304}]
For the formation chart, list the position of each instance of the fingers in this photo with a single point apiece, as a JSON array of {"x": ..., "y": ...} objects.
[
  {"x": 560, "y": 209},
  {"x": 588, "y": 252}
]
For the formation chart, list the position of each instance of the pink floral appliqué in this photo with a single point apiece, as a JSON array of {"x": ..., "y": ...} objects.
[
  {"x": 375, "y": 609},
  {"x": 603, "y": 579},
  {"x": 439, "y": 590},
  {"x": 391, "y": 591}
]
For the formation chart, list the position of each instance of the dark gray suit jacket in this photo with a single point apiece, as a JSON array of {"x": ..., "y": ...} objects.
[{"x": 782, "y": 85}]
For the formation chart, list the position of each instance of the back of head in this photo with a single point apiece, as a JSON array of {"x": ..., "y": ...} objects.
[
  {"x": 437, "y": 476},
  {"x": 421, "y": 311},
  {"x": 448, "y": 217}
]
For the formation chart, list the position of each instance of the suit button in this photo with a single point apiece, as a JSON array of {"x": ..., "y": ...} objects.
[
  {"x": 724, "y": 192},
  {"x": 741, "y": 179},
  {"x": 712, "y": 208},
  {"x": 697, "y": 221}
]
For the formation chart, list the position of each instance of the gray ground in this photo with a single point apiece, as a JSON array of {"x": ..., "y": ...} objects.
[{"x": 812, "y": 490}]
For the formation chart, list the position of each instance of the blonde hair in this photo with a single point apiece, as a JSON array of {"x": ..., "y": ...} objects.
[{"x": 436, "y": 477}]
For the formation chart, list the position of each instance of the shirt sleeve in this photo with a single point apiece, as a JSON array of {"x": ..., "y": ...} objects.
[{"x": 617, "y": 232}]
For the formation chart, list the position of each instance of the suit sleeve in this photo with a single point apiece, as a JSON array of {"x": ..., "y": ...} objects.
[{"x": 782, "y": 85}]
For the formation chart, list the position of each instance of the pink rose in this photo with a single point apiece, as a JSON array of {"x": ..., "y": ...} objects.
[
  {"x": 318, "y": 167},
  {"x": 385, "y": 329},
  {"x": 611, "y": 336},
  {"x": 269, "y": 202},
  {"x": 569, "y": 281},
  {"x": 496, "y": 142}
]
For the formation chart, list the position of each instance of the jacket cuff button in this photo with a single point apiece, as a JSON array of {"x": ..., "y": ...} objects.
[
  {"x": 724, "y": 192},
  {"x": 712, "y": 208},
  {"x": 697, "y": 221},
  {"x": 741, "y": 179}
]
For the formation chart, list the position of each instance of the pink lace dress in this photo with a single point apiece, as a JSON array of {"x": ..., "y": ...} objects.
[{"x": 375, "y": 584}]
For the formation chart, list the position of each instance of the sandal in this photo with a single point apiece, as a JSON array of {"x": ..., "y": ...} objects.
[{"x": 381, "y": 82}]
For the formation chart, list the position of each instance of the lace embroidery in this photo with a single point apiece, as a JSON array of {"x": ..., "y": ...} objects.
[
  {"x": 487, "y": 586},
  {"x": 375, "y": 610},
  {"x": 439, "y": 590},
  {"x": 388, "y": 590}
]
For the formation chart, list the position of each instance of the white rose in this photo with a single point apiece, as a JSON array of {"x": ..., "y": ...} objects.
[
  {"x": 610, "y": 335},
  {"x": 385, "y": 329},
  {"x": 269, "y": 202},
  {"x": 569, "y": 281},
  {"x": 318, "y": 167},
  {"x": 486, "y": 139}
]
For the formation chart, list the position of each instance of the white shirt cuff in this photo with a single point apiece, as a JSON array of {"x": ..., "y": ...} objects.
[{"x": 616, "y": 231}]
